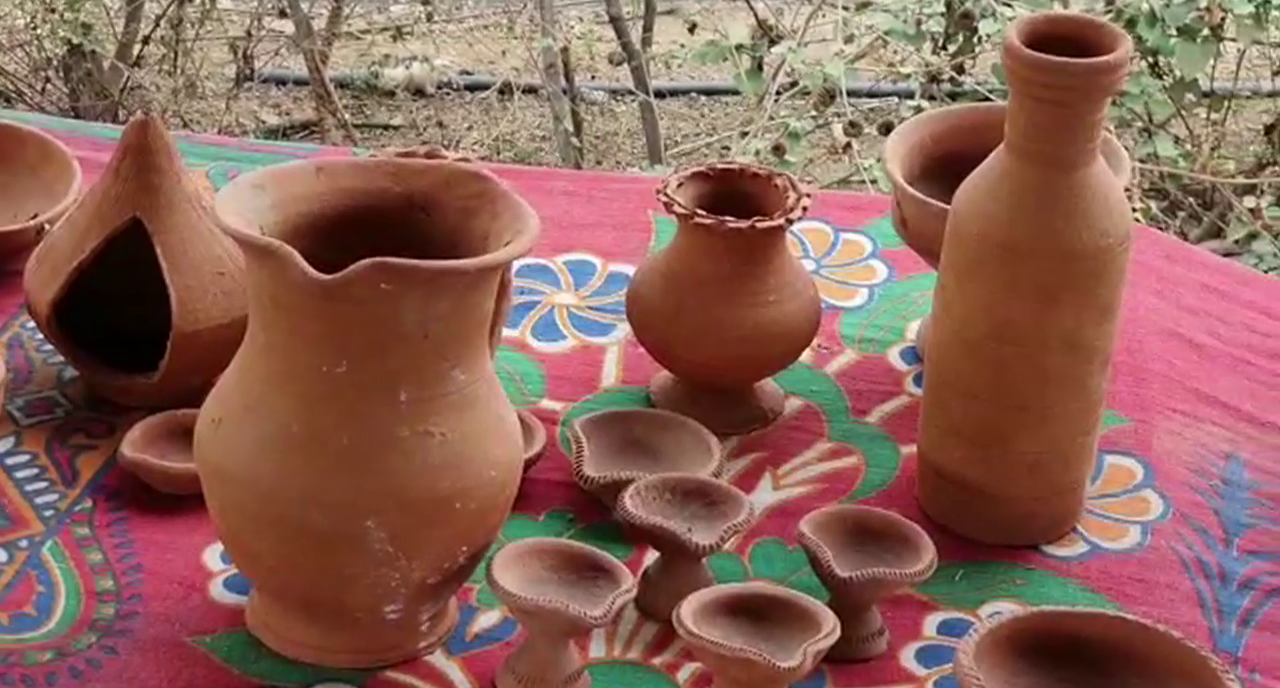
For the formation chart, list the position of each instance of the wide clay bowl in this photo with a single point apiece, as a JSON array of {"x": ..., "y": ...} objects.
[
  {"x": 562, "y": 580},
  {"x": 39, "y": 182},
  {"x": 928, "y": 156},
  {"x": 1061, "y": 648},
  {"x": 533, "y": 435},
  {"x": 157, "y": 449},
  {"x": 616, "y": 447},
  {"x": 755, "y": 634},
  {"x": 694, "y": 514}
]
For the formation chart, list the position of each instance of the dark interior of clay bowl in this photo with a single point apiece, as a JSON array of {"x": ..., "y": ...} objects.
[
  {"x": 733, "y": 193},
  {"x": 628, "y": 441},
  {"x": 1072, "y": 649},
  {"x": 36, "y": 175},
  {"x": 115, "y": 311},
  {"x": 698, "y": 508},
  {"x": 859, "y": 540},
  {"x": 167, "y": 437},
  {"x": 778, "y": 626},
  {"x": 559, "y": 570}
]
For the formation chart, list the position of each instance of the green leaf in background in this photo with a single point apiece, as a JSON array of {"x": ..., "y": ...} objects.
[
  {"x": 970, "y": 584},
  {"x": 617, "y": 673},
  {"x": 664, "y": 230},
  {"x": 880, "y": 455},
  {"x": 874, "y": 329},
  {"x": 244, "y": 654},
  {"x": 521, "y": 375},
  {"x": 712, "y": 52},
  {"x": 1193, "y": 57},
  {"x": 750, "y": 82},
  {"x": 1113, "y": 419},
  {"x": 770, "y": 559},
  {"x": 612, "y": 398},
  {"x": 882, "y": 231},
  {"x": 557, "y": 523}
]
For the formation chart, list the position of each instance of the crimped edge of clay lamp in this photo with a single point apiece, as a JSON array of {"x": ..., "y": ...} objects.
[
  {"x": 426, "y": 151},
  {"x": 826, "y": 560},
  {"x": 796, "y": 197},
  {"x": 522, "y": 554},
  {"x": 631, "y": 511},
  {"x": 534, "y": 436},
  {"x": 968, "y": 657},
  {"x": 19, "y": 236},
  {"x": 138, "y": 456},
  {"x": 608, "y": 485}
]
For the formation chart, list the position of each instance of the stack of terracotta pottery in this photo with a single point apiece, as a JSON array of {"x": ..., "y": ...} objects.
[{"x": 326, "y": 304}]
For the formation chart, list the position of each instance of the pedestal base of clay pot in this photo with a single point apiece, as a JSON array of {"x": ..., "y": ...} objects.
[
  {"x": 995, "y": 519},
  {"x": 274, "y": 627},
  {"x": 507, "y": 680},
  {"x": 724, "y": 412},
  {"x": 662, "y": 586},
  {"x": 863, "y": 636},
  {"x": 543, "y": 667}
]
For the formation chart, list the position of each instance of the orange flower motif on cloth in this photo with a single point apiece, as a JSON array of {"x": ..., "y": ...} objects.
[
  {"x": 1122, "y": 504},
  {"x": 843, "y": 262}
]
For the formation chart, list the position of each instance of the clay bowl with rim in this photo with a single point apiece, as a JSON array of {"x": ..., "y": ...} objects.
[
  {"x": 929, "y": 155},
  {"x": 566, "y": 585},
  {"x": 755, "y": 634},
  {"x": 39, "y": 182},
  {"x": 157, "y": 449},
  {"x": 534, "y": 436},
  {"x": 863, "y": 554},
  {"x": 615, "y": 447},
  {"x": 1060, "y": 647}
]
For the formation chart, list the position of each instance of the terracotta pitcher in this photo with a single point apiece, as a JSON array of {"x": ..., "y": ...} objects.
[
  {"x": 359, "y": 455},
  {"x": 1025, "y": 313}
]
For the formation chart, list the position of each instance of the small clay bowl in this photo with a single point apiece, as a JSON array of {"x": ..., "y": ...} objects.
[
  {"x": 558, "y": 590},
  {"x": 927, "y": 156},
  {"x": 534, "y": 436},
  {"x": 862, "y": 555},
  {"x": 39, "y": 181},
  {"x": 755, "y": 634},
  {"x": 157, "y": 449},
  {"x": 686, "y": 518},
  {"x": 615, "y": 447},
  {"x": 1055, "y": 646}
]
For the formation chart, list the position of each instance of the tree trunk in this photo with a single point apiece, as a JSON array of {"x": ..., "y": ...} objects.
[
  {"x": 549, "y": 58},
  {"x": 575, "y": 104},
  {"x": 329, "y": 110},
  {"x": 637, "y": 64}
]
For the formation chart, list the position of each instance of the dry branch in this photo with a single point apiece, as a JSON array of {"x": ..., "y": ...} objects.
[
  {"x": 638, "y": 65},
  {"x": 328, "y": 108},
  {"x": 569, "y": 147}
]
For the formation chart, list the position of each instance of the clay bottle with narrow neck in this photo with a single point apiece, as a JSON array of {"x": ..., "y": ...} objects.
[{"x": 1025, "y": 313}]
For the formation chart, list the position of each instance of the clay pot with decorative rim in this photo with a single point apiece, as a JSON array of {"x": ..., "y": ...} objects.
[
  {"x": 1050, "y": 646},
  {"x": 533, "y": 436},
  {"x": 559, "y": 590},
  {"x": 755, "y": 634},
  {"x": 686, "y": 518},
  {"x": 615, "y": 447},
  {"x": 862, "y": 555},
  {"x": 39, "y": 182},
  {"x": 136, "y": 287},
  {"x": 726, "y": 305},
  {"x": 157, "y": 449},
  {"x": 376, "y": 287},
  {"x": 1034, "y": 266}
]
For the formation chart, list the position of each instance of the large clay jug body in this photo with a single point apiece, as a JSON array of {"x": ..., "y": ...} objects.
[
  {"x": 359, "y": 455},
  {"x": 725, "y": 305},
  {"x": 1025, "y": 312}
]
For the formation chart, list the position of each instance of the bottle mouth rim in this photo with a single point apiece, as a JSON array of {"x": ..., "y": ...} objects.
[{"x": 1076, "y": 49}]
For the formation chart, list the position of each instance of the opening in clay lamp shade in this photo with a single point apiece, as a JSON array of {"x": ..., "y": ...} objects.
[
  {"x": 1050, "y": 647},
  {"x": 685, "y": 518},
  {"x": 534, "y": 436},
  {"x": 559, "y": 590},
  {"x": 862, "y": 555},
  {"x": 615, "y": 447},
  {"x": 39, "y": 181},
  {"x": 755, "y": 635},
  {"x": 157, "y": 449},
  {"x": 928, "y": 156}
]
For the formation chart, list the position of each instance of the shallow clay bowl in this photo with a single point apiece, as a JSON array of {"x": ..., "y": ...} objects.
[
  {"x": 562, "y": 582},
  {"x": 616, "y": 447},
  {"x": 927, "y": 156},
  {"x": 853, "y": 546},
  {"x": 534, "y": 436},
  {"x": 755, "y": 633},
  {"x": 690, "y": 513},
  {"x": 157, "y": 449},
  {"x": 1060, "y": 648},
  {"x": 39, "y": 182}
]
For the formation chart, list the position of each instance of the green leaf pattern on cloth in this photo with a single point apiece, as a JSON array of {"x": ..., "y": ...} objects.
[
  {"x": 771, "y": 559},
  {"x": 970, "y": 584}
]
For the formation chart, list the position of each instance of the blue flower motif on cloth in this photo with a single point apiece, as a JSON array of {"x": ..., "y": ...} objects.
[
  {"x": 843, "y": 262},
  {"x": 572, "y": 298},
  {"x": 931, "y": 657},
  {"x": 227, "y": 586},
  {"x": 1121, "y": 505},
  {"x": 905, "y": 356}
]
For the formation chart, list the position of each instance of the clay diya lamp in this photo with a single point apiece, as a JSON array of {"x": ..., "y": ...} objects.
[
  {"x": 615, "y": 447},
  {"x": 725, "y": 306},
  {"x": 39, "y": 182},
  {"x": 559, "y": 591},
  {"x": 755, "y": 634},
  {"x": 685, "y": 518},
  {"x": 862, "y": 555},
  {"x": 1050, "y": 646},
  {"x": 157, "y": 449},
  {"x": 534, "y": 436},
  {"x": 926, "y": 158},
  {"x": 422, "y": 152}
]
